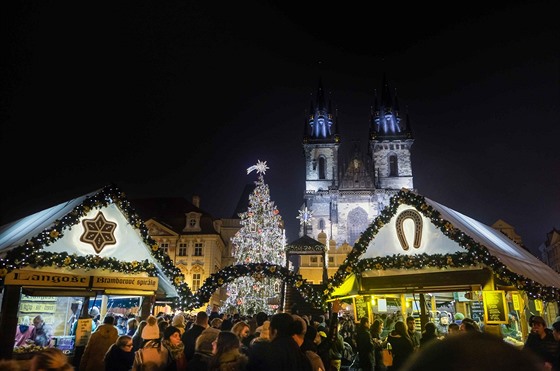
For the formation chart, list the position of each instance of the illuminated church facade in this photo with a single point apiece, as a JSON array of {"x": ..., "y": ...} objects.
[{"x": 344, "y": 194}]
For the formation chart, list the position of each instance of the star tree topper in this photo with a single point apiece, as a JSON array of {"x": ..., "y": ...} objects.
[
  {"x": 260, "y": 167},
  {"x": 305, "y": 216}
]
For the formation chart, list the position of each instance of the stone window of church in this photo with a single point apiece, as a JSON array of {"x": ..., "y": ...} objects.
[
  {"x": 393, "y": 166},
  {"x": 321, "y": 224},
  {"x": 322, "y": 168}
]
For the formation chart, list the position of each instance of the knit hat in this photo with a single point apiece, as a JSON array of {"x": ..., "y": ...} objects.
[
  {"x": 178, "y": 320},
  {"x": 151, "y": 331},
  {"x": 537, "y": 319}
]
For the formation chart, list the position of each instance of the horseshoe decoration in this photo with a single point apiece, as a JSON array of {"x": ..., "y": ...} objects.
[{"x": 417, "y": 219}]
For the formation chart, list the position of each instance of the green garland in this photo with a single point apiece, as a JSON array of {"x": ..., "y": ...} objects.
[
  {"x": 31, "y": 253},
  {"x": 474, "y": 254},
  {"x": 230, "y": 273}
]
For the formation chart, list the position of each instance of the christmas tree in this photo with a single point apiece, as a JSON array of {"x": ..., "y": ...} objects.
[{"x": 260, "y": 239}]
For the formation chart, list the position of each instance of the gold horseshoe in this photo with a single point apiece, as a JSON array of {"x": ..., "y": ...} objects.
[{"x": 417, "y": 219}]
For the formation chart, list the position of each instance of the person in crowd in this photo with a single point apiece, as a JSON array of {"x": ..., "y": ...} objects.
[
  {"x": 323, "y": 347},
  {"x": 428, "y": 334},
  {"x": 401, "y": 345},
  {"x": 176, "y": 349},
  {"x": 165, "y": 354},
  {"x": 98, "y": 344},
  {"x": 242, "y": 330},
  {"x": 379, "y": 343},
  {"x": 120, "y": 356},
  {"x": 468, "y": 324},
  {"x": 24, "y": 332},
  {"x": 227, "y": 354},
  {"x": 453, "y": 329},
  {"x": 472, "y": 350},
  {"x": 336, "y": 343},
  {"x": 131, "y": 326},
  {"x": 50, "y": 359},
  {"x": 203, "y": 349},
  {"x": 264, "y": 334},
  {"x": 216, "y": 323},
  {"x": 190, "y": 335},
  {"x": 300, "y": 331},
  {"x": 365, "y": 347},
  {"x": 261, "y": 317},
  {"x": 137, "y": 340},
  {"x": 42, "y": 333},
  {"x": 162, "y": 325},
  {"x": 413, "y": 334},
  {"x": 541, "y": 342},
  {"x": 179, "y": 322},
  {"x": 282, "y": 352},
  {"x": 150, "y": 331}
]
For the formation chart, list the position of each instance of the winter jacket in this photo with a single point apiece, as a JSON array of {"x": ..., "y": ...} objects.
[{"x": 99, "y": 343}]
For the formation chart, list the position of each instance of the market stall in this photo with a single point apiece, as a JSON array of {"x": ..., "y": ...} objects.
[
  {"x": 58, "y": 262},
  {"x": 424, "y": 258}
]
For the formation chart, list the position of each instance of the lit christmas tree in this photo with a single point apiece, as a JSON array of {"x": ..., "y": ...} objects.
[{"x": 260, "y": 240}]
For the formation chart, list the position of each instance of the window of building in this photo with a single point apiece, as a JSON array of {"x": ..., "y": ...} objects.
[
  {"x": 182, "y": 249},
  {"x": 322, "y": 168},
  {"x": 313, "y": 259},
  {"x": 322, "y": 224},
  {"x": 331, "y": 260},
  {"x": 357, "y": 223},
  {"x": 192, "y": 222},
  {"x": 393, "y": 166},
  {"x": 196, "y": 279},
  {"x": 198, "y": 249},
  {"x": 164, "y": 246}
]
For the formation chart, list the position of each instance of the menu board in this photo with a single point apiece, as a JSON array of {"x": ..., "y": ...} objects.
[
  {"x": 495, "y": 306},
  {"x": 361, "y": 308}
]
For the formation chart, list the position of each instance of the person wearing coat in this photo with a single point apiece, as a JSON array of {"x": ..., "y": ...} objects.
[
  {"x": 99, "y": 343},
  {"x": 120, "y": 356},
  {"x": 365, "y": 345}
]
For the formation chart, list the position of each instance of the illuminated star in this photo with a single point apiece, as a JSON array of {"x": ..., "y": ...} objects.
[
  {"x": 260, "y": 167},
  {"x": 305, "y": 216}
]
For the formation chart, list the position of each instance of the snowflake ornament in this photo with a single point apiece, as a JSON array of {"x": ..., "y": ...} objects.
[
  {"x": 305, "y": 216},
  {"x": 260, "y": 167}
]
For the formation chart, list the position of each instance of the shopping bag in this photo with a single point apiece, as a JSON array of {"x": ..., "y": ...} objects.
[{"x": 387, "y": 357}]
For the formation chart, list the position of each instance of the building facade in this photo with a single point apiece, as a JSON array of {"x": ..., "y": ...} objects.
[{"x": 346, "y": 193}]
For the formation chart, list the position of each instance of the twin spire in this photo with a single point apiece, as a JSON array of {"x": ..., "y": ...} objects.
[{"x": 321, "y": 125}]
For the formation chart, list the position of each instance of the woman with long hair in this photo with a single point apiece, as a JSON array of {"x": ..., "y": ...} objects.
[
  {"x": 165, "y": 354},
  {"x": 336, "y": 343},
  {"x": 376, "y": 329},
  {"x": 227, "y": 353},
  {"x": 401, "y": 345}
]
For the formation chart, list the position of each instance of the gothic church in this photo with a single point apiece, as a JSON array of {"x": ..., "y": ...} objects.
[{"x": 345, "y": 196}]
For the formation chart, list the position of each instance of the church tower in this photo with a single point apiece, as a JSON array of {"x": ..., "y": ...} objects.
[
  {"x": 346, "y": 192},
  {"x": 390, "y": 142}
]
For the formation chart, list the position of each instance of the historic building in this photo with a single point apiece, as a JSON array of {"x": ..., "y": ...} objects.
[
  {"x": 345, "y": 194},
  {"x": 550, "y": 250},
  {"x": 197, "y": 243}
]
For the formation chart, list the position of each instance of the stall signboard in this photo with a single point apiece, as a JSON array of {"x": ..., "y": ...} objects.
[
  {"x": 40, "y": 278},
  {"x": 495, "y": 307},
  {"x": 361, "y": 307},
  {"x": 83, "y": 332},
  {"x": 129, "y": 282}
]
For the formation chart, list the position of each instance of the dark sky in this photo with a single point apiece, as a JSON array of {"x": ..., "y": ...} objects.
[{"x": 175, "y": 98}]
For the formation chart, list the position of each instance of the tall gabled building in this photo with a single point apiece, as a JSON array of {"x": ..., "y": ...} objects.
[{"x": 346, "y": 193}]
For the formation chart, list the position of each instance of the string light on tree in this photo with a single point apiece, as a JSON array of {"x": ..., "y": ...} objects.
[{"x": 259, "y": 240}]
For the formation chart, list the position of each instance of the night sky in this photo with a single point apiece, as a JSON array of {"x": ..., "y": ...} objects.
[{"x": 175, "y": 98}]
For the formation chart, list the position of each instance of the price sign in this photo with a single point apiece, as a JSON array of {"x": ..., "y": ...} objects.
[{"x": 495, "y": 307}]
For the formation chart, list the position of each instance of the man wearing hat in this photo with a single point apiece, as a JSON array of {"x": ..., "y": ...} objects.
[{"x": 541, "y": 341}]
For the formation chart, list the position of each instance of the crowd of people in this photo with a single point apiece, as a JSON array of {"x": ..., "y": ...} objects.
[{"x": 292, "y": 341}]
